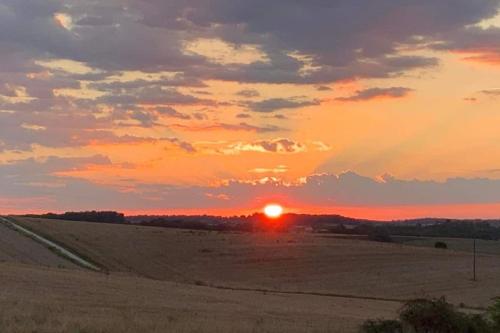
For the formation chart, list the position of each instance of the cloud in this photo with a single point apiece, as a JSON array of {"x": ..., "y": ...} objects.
[
  {"x": 277, "y": 104},
  {"x": 374, "y": 93},
  {"x": 112, "y": 36},
  {"x": 229, "y": 127},
  {"x": 248, "y": 93},
  {"x": 73, "y": 73},
  {"x": 171, "y": 112},
  {"x": 491, "y": 92},
  {"x": 277, "y": 169},
  {"x": 49, "y": 191},
  {"x": 323, "y": 88},
  {"x": 280, "y": 145},
  {"x": 474, "y": 43}
]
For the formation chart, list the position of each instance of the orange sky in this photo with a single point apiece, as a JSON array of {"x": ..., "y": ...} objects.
[{"x": 257, "y": 106}]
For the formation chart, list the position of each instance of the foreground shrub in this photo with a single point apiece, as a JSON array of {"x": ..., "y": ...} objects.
[
  {"x": 426, "y": 316},
  {"x": 494, "y": 315},
  {"x": 381, "y": 326},
  {"x": 435, "y": 316}
]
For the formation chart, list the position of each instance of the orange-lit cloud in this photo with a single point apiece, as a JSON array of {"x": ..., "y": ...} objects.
[{"x": 225, "y": 111}]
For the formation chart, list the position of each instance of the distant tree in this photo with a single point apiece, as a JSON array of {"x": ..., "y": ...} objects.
[
  {"x": 440, "y": 245},
  {"x": 87, "y": 216},
  {"x": 380, "y": 234}
]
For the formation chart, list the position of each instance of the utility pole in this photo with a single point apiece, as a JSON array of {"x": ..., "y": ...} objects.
[{"x": 474, "y": 260}]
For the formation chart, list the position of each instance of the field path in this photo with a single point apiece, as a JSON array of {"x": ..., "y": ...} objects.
[
  {"x": 22, "y": 245},
  {"x": 17, "y": 248}
]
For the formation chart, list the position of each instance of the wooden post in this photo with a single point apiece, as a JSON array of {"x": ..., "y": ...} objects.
[{"x": 474, "y": 261}]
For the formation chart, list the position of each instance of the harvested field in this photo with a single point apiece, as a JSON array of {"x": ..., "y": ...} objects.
[
  {"x": 15, "y": 247},
  {"x": 301, "y": 263},
  {"x": 456, "y": 244},
  {"x": 47, "y": 300}
]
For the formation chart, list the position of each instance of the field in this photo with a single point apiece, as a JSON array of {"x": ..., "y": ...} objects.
[
  {"x": 182, "y": 280},
  {"x": 456, "y": 244},
  {"x": 56, "y": 300},
  {"x": 15, "y": 247}
]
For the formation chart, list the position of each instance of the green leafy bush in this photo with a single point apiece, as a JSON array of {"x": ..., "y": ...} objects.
[
  {"x": 382, "y": 326},
  {"x": 435, "y": 316}
]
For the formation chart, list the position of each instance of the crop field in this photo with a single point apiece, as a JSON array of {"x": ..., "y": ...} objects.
[
  {"x": 286, "y": 262},
  {"x": 51, "y": 300},
  {"x": 162, "y": 280},
  {"x": 455, "y": 244},
  {"x": 15, "y": 247}
]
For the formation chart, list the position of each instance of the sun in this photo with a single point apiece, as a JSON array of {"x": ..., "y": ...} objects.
[{"x": 273, "y": 211}]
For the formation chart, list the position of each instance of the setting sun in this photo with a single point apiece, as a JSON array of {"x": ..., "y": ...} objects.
[{"x": 273, "y": 211}]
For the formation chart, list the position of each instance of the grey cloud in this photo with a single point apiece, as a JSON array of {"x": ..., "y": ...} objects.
[
  {"x": 323, "y": 88},
  {"x": 171, "y": 112},
  {"x": 280, "y": 145},
  {"x": 230, "y": 127},
  {"x": 277, "y": 104},
  {"x": 200, "y": 116},
  {"x": 491, "y": 92},
  {"x": 348, "y": 189},
  {"x": 152, "y": 96},
  {"x": 348, "y": 49},
  {"x": 248, "y": 93},
  {"x": 372, "y": 93}
]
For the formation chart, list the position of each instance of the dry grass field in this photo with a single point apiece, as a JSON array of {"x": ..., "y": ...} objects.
[
  {"x": 15, "y": 247},
  {"x": 163, "y": 280},
  {"x": 309, "y": 263},
  {"x": 49, "y": 300},
  {"x": 456, "y": 244}
]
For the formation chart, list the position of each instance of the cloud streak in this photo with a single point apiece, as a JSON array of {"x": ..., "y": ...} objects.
[{"x": 376, "y": 93}]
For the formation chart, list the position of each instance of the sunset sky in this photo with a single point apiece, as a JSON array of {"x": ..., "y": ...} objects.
[{"x": 368, "y": 108}]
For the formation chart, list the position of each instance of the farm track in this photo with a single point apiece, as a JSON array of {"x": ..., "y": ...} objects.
[{"x": 55, "y": 248}]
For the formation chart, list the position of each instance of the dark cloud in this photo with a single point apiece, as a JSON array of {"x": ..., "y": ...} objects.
[
  {"x": 280, "y": 145},
  {"x": 372, "y": 93},
  {"x": 50, "y": 191},
  {"x": 200, "y": 116},
  {"x": 323, "y": 88},
  {"x": 230, "y": 127},
  {"x": 149, "y": 35},
  {"x": 248, "y": 93},
  {"x": 476, "y": 44},
  {"x": 171, "y": 112},
  {"x": 277, "y": 104},
  {"x": 151, "y": 96},
  {"x": 491, "y": 92}
]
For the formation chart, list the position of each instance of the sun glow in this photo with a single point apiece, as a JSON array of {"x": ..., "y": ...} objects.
[{"x": 273, "y": 211}]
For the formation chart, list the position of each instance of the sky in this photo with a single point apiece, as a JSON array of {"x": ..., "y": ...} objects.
[{"x": 369, "y": 108}]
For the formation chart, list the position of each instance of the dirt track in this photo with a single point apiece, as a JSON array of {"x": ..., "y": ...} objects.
[{"x": 15, "y": 247}]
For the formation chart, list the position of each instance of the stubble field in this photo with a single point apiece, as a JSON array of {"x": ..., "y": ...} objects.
[{"x": 186, "y": 280}]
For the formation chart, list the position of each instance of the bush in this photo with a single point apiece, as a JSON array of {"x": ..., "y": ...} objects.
[
  {"x": 381, "y": 326},
  {"x": 430, "y": 316},
  {"x": 440, "y": 245},
  {"x": 494, "y": 314},
  {"x": 380, "y": 235},
  {"x": 435, "y": 316}
]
